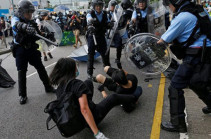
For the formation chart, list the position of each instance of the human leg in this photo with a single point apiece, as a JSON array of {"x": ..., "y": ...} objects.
[
  {"x": 91, "y": 52},
  {"x": 21, "y": 64},
  {"x": 35, "y": 60}
]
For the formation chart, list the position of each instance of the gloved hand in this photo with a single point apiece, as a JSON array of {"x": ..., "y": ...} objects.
[
  {"x": 131, "y": 28},
  {"x": 30, "y": 30},
  {"x": 101, "y": 88},
  {"x": 110, "y": 25},
  {"x": 161, "y": 45},
  {"x": 91, "y": 29},
  {"x": 100, "y": 135}
]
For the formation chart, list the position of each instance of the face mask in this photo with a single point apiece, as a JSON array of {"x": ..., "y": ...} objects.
[{"x": 77, "y": 73}]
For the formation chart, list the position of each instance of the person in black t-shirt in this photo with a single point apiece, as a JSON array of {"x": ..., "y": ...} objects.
[
  {"x": 66, "y": 70},
  {"x": 120, "y": 82}
]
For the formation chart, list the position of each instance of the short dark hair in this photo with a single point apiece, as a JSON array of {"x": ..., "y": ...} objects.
[
  {"x": 63, "y": 71},
  {"x": 119, "y": 77}
]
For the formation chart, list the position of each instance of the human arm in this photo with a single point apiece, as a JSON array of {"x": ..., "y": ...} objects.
[{"x": 87, "y": 114}]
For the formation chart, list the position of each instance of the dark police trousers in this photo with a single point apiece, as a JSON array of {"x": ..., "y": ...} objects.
[
  {"x": 180, "y": 81},
  {"x": 101, "y": 47},
  {"x": 33, "y": 57},
  {"x": 118, "y": 45}
]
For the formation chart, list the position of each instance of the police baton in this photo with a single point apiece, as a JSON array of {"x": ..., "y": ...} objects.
[
  {"x": 94, "y": 39},
  {"x": 41, "y": 37}
]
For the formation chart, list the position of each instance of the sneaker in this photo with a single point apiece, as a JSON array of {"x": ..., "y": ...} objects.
[
  {"x": 49, "y": 54},
  {"x": 45, "y": 58},
  {"x": 75, "y": 45},
  {"x": 80, "y": 43}
]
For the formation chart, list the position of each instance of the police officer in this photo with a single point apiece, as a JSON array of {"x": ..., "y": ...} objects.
[
  {"x": 117, "y": 40},
  {"x": 26, "y": 49},
  {"x": 184, "y": 34},
  {"x": 139, "y": 17},
  {"x": 98, "y": 23}
]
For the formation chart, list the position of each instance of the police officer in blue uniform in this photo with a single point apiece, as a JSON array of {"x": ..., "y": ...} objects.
[
  {"x": 117, "y": 40},
  {"x": 25, "y": 48},
  {"x": 97, "y": 25},
  {"x": 187, "y": 40},
  {"x": 139, "y": 17}
]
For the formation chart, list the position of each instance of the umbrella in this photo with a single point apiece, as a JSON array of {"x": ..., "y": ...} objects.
[
  {"x": 81, "y": 54},
  {"x": 61, "y": 8}
]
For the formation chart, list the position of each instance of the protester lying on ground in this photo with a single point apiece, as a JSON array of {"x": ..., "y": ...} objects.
[
  {"x": 66, "y": 70},
  {"x": 120, "y": 82}
]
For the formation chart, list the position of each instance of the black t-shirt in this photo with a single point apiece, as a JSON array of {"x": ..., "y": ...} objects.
[
  {"x": 78, "y": 88},
  {"x": 134, "y": 80}
]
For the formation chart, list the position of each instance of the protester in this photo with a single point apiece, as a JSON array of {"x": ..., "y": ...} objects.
[
  {"x": 75, "y": 25},
  {"x": 66, "y": 70}
]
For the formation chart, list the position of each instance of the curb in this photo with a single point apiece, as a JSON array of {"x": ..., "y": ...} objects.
[{"x": 5, "y": 51}]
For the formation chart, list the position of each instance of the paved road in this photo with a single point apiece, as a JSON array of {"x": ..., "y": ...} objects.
[{"x": 28, "y": 121}]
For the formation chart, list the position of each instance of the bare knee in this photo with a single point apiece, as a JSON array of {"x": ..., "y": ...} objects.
[
  {"x": 106, "y": 68},
  {"x": 100, "y": 78}
]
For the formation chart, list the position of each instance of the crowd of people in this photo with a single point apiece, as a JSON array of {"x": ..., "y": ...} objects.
[{"x": 95, "y": 24}]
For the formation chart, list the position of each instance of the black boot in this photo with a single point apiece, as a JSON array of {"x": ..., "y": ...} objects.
[
  {"x": 119, "y": 65},
  {"x": 206, "y": 110},
  {"x": 205, "y": 95},
  {"x": 44, "y": 78},
  {"x": 22, "y": 86},
  {"x": 177, "y": 106},
  {"x": 181, "y": 127},
  {"x": 90, "y": 67},
  {"x": 106, "y": 59}
]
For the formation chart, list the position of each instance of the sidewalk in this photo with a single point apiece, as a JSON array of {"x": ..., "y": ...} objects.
[{"x": 3, "y": 49}]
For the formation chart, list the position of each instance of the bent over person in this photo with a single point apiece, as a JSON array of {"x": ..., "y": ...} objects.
[
  {"x": 188, "y": 42},
  {"x": 25, "y": 48}
]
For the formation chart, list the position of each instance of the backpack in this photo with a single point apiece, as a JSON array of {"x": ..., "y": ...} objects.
[{"x": 66, "y": 114}]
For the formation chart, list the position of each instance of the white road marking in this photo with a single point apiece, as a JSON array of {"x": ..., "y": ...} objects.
[
  {"x": 185, "y": 135},
  {"x": 45, "y": 68}
]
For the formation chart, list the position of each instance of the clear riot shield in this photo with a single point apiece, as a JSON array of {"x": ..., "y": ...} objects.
[
  {"x": 143, "y": 53},
  {"x": 156, "y": 19},
  {"x": 116, "y": 17},
  {"x": 54, "y": 30}
]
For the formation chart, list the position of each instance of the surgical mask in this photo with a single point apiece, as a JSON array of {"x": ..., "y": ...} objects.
[{"x": 77, "y": 73}]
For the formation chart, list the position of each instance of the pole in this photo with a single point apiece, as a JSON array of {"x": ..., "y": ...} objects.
[{"x": 13, "y": 7}]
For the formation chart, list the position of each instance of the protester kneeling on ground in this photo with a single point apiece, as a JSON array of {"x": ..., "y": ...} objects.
[
  {"x": 65, "y": 70},
  {"x": 120, "y": 82}
]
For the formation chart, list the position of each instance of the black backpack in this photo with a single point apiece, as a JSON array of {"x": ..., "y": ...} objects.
[{"x": 65, "y": 112}]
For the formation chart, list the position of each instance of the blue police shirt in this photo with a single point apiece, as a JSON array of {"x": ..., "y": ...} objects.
[
  {"x": 13, "y": 22},
  {"x": 181, "y": 28},
  {"x": 143, "y": 13},
  {"x": 99, "y": 16}
]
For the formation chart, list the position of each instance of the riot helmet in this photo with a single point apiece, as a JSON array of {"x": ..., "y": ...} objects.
[
  {"x": 44, "y": 13},
  {"x": 138, "y": 2},
  {"x": 97, "y": 2},
  {"x": 126, "y": 4},
  {"x": 111, "y": 4},
  {"x": 175, "y": 3},
  {"x": 25, "y": 6}
]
